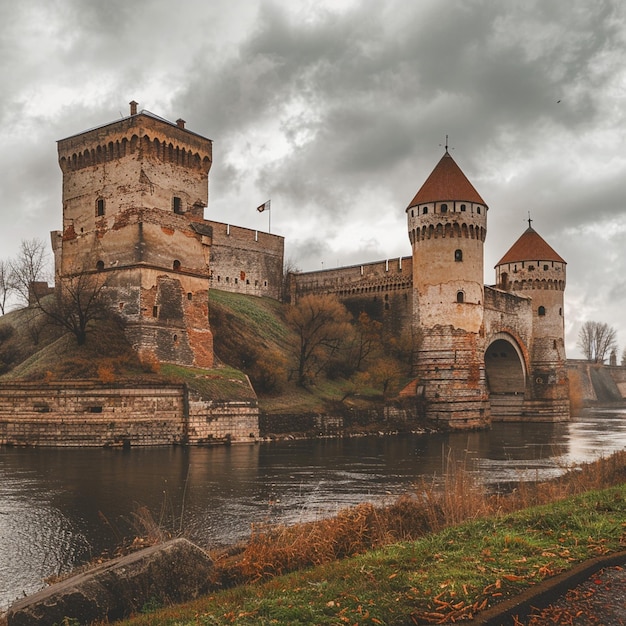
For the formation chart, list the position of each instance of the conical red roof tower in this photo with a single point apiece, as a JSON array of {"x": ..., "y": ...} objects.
[{"x": 447, "y": 182}]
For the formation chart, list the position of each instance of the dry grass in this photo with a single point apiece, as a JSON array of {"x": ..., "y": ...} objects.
[{"x": 277, "y": 549}]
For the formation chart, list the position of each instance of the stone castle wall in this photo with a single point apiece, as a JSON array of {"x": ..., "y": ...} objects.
[
  {"x": 246, "y": 261},
  {"x": 382, "y": 289},
  {"x": 92, "y": 414}
]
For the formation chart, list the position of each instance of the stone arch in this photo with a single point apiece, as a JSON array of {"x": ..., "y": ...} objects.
[{"x": 505, "y": 367}]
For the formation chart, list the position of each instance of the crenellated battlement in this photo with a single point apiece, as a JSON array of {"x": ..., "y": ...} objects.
[
  {"x": 355, "y": 280},
  {"x": 142, "y": 135}
]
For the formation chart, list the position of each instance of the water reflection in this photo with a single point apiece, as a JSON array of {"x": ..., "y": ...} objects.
[{"x": 60, "y": 507}]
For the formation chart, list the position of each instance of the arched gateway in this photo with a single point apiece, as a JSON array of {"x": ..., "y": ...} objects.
[
  {"x": 504, "y": 366},
  {"x": 505, "y": 371}
]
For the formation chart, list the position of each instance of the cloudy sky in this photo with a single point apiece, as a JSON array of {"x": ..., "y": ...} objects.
[{"x": 337, "y": 110}]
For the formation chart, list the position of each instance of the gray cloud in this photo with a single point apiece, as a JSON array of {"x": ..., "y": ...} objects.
[{"x": 338, "y": 111}]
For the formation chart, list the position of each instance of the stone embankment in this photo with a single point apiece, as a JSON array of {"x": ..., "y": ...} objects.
[
  {"x": 90, "y": 414},
  {"x": 595, "y": 383}
]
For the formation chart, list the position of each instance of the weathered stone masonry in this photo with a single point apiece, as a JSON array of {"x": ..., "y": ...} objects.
[{"x": 91, "y": 414}]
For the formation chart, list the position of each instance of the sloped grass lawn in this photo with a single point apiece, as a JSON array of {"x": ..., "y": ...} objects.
[
  {"x": 446, "y": 576},
  {"x": 224, "y": 383}
]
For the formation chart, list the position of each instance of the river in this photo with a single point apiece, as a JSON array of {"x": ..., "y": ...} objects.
[{"x": 61, "y": 507}]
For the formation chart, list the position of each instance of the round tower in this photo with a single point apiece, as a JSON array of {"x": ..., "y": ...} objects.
[
  {"x": 447, "y": 221},
  {"x": 533, "y": 269}
]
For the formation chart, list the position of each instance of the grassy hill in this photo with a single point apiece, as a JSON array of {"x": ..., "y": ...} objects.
[
  {"x": 251, "y": 339},
  {"x": 250, "y": 334}
]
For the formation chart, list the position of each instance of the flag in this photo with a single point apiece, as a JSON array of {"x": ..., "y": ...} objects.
[{"x": 263, "y": 207}]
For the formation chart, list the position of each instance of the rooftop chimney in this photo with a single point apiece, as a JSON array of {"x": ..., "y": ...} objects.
[
  {"x": 180, "y": 123},
  {"x": 133, "y": 107}
]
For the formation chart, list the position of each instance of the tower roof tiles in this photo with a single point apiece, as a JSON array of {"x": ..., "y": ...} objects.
[
  {"x": 530, "y": 247},
  {"x": 446, "y": 182}
]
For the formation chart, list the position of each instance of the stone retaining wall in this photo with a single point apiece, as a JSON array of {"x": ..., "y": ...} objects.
[{"x": 92, "y": 414}]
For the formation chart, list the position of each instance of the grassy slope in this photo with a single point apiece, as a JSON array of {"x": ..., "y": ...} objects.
[
  {"x": 451, "y": 574},
  {"x": 238, "y": 321},
  {"x": 107, "y": 357},
  {"x": 241, "y": 325}
]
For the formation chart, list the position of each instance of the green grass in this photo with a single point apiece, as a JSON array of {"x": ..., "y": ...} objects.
[
  {"x": 262, "y": 316},
  {"x": 451, "y": 574},
  {"x": 223, "y": 383}
]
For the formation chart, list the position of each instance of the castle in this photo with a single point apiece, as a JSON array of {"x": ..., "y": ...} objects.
[
  {"x": 134, "y": 194},
  {"x": 481, "y": 353}
]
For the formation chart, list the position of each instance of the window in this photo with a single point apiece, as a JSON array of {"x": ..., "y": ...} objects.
[
  {"x": 545, "y": 268},
  {"x": 177, "y": 204},
  {"x": 458, "y": 255},
  {"x": 100, "y": 265},
  {"x": 478, "y": 210},
  {"x": 176, "y": 265},
  {"x": 444, "y": 208},
  {"x": 99, "y": 207},
  {"x": 531, "y": 268},
  {"x": 155, "y": 311},
  {"x": 460, "y": 296},
  {"x": 189, "y": 296},
  {"x": 463, "y": 207},
  {"x": 425, "y": 210},
  {"x": 541, "y": 311}
]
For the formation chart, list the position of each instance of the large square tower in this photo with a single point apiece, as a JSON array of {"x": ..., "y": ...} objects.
[{"x": 134, "y": 193}]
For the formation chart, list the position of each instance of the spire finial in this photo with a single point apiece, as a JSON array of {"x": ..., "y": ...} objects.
[
  {"x": 446, "y": 144},
  {"x": 530, "y": 222}
]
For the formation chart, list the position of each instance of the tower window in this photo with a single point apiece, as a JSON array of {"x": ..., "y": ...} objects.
[
  {"x": 541, "y": 311},
  {"x": 458, "y": 255},
  {"x": 99, "y": 207},
  {"x": 177, "y": 204},
  {"x": 176, "y": 265},
  {"x": 463, "y": 207},
  {"x": 545, "y": 268},
  {"x": 425, "y": 210},
  {"x": 100, "y": 265},
  {"x": 444, "y": 208},
  {"x": 478, "y": 210},
  {"x": 460, "y": 296}
]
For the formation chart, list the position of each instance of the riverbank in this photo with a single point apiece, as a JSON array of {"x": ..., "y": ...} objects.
[
  {"x": 452, "y": 575},
  {"x": 450, "y": 554}
]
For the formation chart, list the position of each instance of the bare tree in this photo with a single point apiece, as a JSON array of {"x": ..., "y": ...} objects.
[
  {"x": 320, "y": 323},
  {"x": 29, "y": 269},
  {"x": 289, "y": 268},
  {"x": 79, "y": 299},
  {"x": 596, "y": 340},
  {"x": 6, "y": 285}
]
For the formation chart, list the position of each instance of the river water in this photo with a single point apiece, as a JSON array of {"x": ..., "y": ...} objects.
[{"x": 59, "y": 508}]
